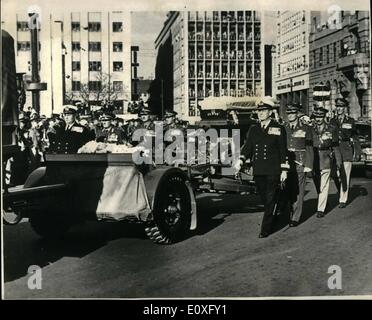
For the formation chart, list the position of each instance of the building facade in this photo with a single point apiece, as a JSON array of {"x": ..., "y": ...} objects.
[
  {"x": 83, "y": 56},
  {"x": 213, "y": 53},
  {"x": 291, "y": 73},
  {"x": 340, "y": 59}
]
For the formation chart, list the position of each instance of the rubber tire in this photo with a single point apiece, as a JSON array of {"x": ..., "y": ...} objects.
[
  {"x": 368, "y": 174},
  {"x": 48, "y": 226},
  {"x": 157, "y": 229},
  {"x": 17, "y": 219}
]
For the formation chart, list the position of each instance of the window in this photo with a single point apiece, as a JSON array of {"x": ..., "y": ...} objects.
[
  {"x": 320, "y": 57},
  {"x": 118, "y": 66},
  {"x": 95, "y": 85},
  {"x": 75, "y": 26},
  {"x": 75, "y": 65},
  {"x": 117, "y": 47},
  {"x": 94, "y": 46},
  {"x": 118, "y": 85},
  {"x": 75, "y": 46},
  {"x": 94, "y": 26},
  {"x": 117, "y": 26},
  {"x": 334, "y": 52},
  {"x": 22, "y": 26},
  {"x": 94, "y": 65},
  {"x": 327, "y": 54},
  {"x": 76, "y": 85},
  {"x": 23, "y": 46}
]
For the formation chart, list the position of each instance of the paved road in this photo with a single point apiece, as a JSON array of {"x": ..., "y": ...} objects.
[{"x": 224, "y": 258}]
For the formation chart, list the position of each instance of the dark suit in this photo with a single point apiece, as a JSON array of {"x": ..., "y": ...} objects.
[
  {"x": 266, "y": 149},
  {"x": 110, "y": 135}
]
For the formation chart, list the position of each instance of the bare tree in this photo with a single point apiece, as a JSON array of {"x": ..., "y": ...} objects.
[{"x": 103, "y": 90}]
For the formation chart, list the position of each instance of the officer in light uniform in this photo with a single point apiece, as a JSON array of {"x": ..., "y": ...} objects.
[
  {"x": 300, "y": 158},
  {"x": 70, "y": 137},
  {"x": 265, "y": 148},
  {"x": 108, "y": 133},
  {"x": 326, "y": 146},
  {"x": 349, "y": 144}
]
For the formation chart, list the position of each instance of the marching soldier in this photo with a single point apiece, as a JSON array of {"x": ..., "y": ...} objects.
[
  {"x": 350, "y": 148},
  {"x": 300, "y": 157},
  {"x": 265, "y": 147},
  {"x": 326, "y": 146},
  {"x": 108, "y": 133},
  {"x": 72, "y": 136}
]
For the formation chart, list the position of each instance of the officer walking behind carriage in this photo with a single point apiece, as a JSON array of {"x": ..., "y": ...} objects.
[
  {"x": 300, "y": 158},
  {"x": 70, "y": 137},
  {"x": 350, "y": 148},
  {"x": 326, "y": 146},
  {"x": 265, "y": 147}
]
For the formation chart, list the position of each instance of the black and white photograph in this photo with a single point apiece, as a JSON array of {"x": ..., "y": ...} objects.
[{"x": 186, "y": 150}]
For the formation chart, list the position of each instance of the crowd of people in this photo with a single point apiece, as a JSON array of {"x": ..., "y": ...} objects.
[{"x": 67, "y": 132}]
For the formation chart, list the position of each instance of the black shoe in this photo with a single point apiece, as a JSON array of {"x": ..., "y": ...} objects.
[
  {"x": 293, "y": 223},
  {"x": 320, "y": 214},
  {"x": 263, "y": 235},
  {"x": 342, "y": 205}
]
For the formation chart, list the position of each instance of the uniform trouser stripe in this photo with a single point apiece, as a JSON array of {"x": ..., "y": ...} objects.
[
  {"x": 324, "y": 188},
  {"x": 344, "y": 194}
]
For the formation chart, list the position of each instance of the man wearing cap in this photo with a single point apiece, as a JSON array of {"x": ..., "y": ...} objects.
[
  {"x": 146, "y": 121},
  {"x": 70, "y": 135},
  {"x": 350, "y": 148},
  {"x": 108, "y": 133},
  {"x": 300, "y": 158},
  {"x": 169, "y": 120},
  {"x": 326, "y": 145},
  {"x": 265, "y": 148}
]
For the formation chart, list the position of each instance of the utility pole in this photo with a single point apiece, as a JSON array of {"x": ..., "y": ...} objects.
[{"x": 35, "y": 86}]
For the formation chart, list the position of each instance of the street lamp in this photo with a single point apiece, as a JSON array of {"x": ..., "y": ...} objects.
[{"x": 64, "y": 52}]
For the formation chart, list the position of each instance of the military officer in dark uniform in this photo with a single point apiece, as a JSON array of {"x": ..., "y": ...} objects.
[
  {"x": 265, "y": 148},
  {"x": 108, "y": 133},
  {"x": 300, "y": 158},
  {"x": 147, "y": 123},
  {"x": 70, "y": 137},
  {"x": 350, "y": 148},
  {"x": 326, "y": 146},
  {"x": 169, "y": 119}
]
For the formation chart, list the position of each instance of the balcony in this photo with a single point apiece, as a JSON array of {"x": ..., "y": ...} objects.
[{"x": 347, "y": 63}]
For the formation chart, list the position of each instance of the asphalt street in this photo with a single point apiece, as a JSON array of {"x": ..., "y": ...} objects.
[{"x": 223, "y": 258}]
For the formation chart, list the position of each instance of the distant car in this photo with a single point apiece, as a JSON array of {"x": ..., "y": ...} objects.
[{"x": 364, "y": 134}]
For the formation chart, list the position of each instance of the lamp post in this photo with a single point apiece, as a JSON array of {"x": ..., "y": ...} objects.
[{"x": 63, "y": 48}]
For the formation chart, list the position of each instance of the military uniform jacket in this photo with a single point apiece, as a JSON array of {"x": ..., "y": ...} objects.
[
  {"x": 300, "y": 145},
  {"x": 348, "y": 138},
  {"x": 326, "y": 144},
  {"x": 110, "y": 135},
  {"x": 69, "y": 140},
  {"x": 266, "y": 148}
]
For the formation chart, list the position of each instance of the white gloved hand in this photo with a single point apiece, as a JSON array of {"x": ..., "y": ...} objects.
[
  {"x": 307, "y": 169},
  {"x": 283, "y": 176},
  {"x": 238, "y": 165}
]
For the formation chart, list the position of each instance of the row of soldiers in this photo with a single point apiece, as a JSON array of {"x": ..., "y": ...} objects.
[
  {"x": 282, "y": 155},
  {"x": 68, "y": 132}
]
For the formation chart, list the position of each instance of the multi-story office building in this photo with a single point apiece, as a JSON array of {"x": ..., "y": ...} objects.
[
  {"x": 340, "y": 59},
  {"x": 203, "y": 54},
  {"x": 83, "y": 56},
  {"x": 291, "y": 73}
]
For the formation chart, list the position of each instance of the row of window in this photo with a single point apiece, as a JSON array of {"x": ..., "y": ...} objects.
[
  {"x": 96, "y": 26},
  {"x": 225, "y": 54},
  {"x": 97, "y": 66},
  {"x": 25, "y": 46},
  {"x": 224, "y": 16},
  {"x": 97, "y": 85},
  {"x": 75, "y": 26},
  {"x": 96, "y": 46}
]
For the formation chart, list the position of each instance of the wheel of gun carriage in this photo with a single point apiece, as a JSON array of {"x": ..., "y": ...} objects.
[
  {"x": 172, "y": 212},
  {"x": 10, "y": 217},
  {"x": 50, "y": 226}
]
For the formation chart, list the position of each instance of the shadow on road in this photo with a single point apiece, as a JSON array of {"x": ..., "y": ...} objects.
[
  {"x": 214, "y": 208},
  {"x": 20, "y": 252}
]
